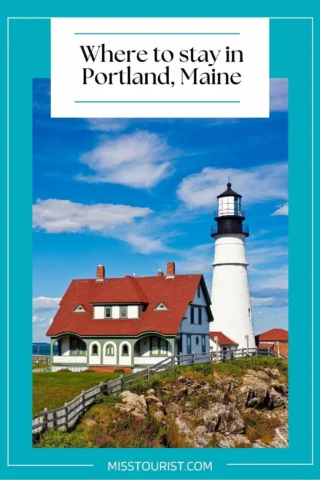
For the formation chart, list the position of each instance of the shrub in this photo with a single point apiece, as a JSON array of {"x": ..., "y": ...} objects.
[
  {"x": 56, "y": 439},
  {"x": 260, "y": 427}
]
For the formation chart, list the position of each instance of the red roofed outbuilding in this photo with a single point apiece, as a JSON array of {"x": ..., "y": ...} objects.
[{"x": 276, "y": 338}]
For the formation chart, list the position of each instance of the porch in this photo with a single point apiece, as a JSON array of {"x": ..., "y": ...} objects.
[{"x": 151, "y": 349}]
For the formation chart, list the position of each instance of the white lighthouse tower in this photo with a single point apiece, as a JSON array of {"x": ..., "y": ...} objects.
[{"x": 231, "y": 306}]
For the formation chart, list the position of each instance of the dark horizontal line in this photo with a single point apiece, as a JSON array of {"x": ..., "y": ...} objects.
[
  {"x": 157, "y": 33},
  {"x": 156, "y": 101}
]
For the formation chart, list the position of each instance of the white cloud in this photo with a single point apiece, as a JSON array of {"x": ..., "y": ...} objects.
[
  {"x": 282, "y": 210},
  {"x": 145, "y": 244},
  {"x": 271, "y": 278},
  {"x": 107, "y": 124},
  {"x": 57, "y": 216},
  {"x": 262, "y": 302},
  {"x": 266, "y": 254},
  {"x": 44, "y": 303},
  {"x": 256, "y": 184},
  {"x": 138, "y": 160},
  {"x": 278, "y": 94}
]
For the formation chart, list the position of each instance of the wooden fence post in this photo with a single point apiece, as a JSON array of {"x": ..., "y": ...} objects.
[
  {"x": 242, "y": 352},
  {"x": 121, "y": 383},
  {"x": 83, "y": 400},
  {"x": 66, "y": 415},
  {"x": 193, "y": 358},
  {"x": 148, "y": 374},
  {"x": 46, "y": 418}
]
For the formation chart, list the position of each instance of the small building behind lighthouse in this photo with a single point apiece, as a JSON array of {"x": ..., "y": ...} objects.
[{"x": 231, "y": 305}]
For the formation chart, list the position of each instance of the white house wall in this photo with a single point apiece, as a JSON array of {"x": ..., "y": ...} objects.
[
  {"x": 94, "y": 359},
  {"x": 69, "y": 359},
  {"x": 109, "y": 359},
  {"x": 125, "y": 360}
]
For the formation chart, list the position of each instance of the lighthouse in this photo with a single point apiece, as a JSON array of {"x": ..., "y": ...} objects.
[{"x": 231, "y": 305}]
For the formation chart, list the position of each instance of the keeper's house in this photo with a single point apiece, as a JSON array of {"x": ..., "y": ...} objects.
[{"x": 129, "y": 323}]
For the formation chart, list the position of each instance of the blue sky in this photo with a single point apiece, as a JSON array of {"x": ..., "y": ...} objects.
[{"x": 132, "y": 194}]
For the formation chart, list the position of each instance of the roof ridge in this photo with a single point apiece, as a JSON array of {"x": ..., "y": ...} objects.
[{"x": 137, "y": 287}]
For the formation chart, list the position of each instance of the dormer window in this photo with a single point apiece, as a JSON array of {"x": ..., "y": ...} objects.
[
  {"x": 124, "y": 311},
  {"x": 161, "y": 306},
  {"x": 108, "y": 313},
  {"x": 79, "y": 309}
]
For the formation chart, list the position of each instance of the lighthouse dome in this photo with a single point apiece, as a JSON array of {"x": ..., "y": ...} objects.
[{"x": 229, "y": 192}]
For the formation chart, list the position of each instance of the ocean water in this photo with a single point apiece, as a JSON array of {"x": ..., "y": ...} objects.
[{"x": 41, "y": 349}]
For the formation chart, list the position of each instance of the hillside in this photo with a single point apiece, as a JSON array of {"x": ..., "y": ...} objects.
[{"x": 235, "y": 404}]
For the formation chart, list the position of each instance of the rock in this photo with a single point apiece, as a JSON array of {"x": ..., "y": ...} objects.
[
  {"x": 137, "y": 401},
  {"x": 258, "y": 373},
  {"x": 253, "y": 387},
  {"x": 281, "y": 437},
  {"x": 224, "y": 419},
  {"x": 272, "y": 372},
  {"x": 151, "y": 399},
  {"x": 134, "y": 404},
  {"x": 201, "y": 436},
  {"x": 276, "y": 399},
  {"x": 233, "y": 441},
  {"x": 279, "y": 387}
]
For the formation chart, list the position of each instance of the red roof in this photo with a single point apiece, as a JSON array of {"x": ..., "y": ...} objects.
[
  {"x": 265, "y": 345},
  {"x": 222, "y": 339},
  {"x": 176, "y": 293},
  {"x": 276, "y": 334}
]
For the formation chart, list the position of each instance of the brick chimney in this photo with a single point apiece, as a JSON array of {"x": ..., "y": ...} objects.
[
  {"x": 171, "y": 269},
  {"x": 100, "y": 273},
  {"x": 160, "y": 273}
]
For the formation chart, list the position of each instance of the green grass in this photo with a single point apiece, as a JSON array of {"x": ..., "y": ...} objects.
[{"x": 52, "y": 390}]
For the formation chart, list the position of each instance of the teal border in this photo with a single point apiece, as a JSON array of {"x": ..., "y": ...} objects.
[{"x": 291, "y": 50}]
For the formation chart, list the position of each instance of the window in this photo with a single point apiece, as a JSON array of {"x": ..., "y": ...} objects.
[
  {"x": 163, "y": 346},
  {"x": 109, "y": 350},
  {"x": 161, "y": 306},
  {"x": 199, "y": 291},
  {"x": 137, "y": 349},
  {"x": 197, "y": 340},
  {"x": 188, "y": 344},
  {"x": 77, "y": 346},
  {"x": 154, "y": 346},
  {"x": 124, "y": 311},
  {"x": 125, "y": 350},
  {"x": 200, "y": 315},
  {"x": 94, "y": 349},
  {"x": 192, "y": 315},
  {"x": 108, "y": 312},
  {"x": 79, "y": 309}
]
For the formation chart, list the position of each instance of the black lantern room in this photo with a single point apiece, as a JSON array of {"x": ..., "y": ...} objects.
[{"x": 230, "y": 214}]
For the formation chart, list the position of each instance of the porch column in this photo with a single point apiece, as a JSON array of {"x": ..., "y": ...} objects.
[
  {"x": 52, "y": 342},
  {"x": 172, "y": 342}
]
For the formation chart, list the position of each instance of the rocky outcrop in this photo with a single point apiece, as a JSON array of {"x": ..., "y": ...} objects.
[{"x": 224, "y": 412}]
